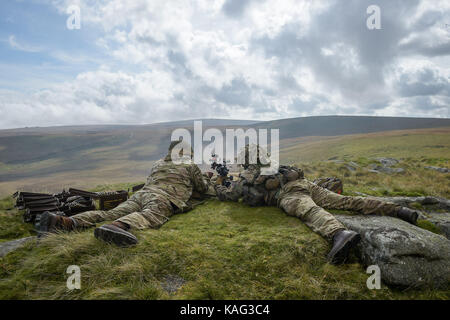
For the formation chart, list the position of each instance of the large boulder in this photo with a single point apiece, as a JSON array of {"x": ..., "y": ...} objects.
[{"x": 407, "y": 255}]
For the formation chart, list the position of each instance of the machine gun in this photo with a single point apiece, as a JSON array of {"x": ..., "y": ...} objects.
[{"x": 222, "y": 171}]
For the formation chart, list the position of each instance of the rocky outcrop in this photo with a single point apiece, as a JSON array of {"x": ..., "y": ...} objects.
[
  {"x": 441, "y": 220},
  {"x": 385, "y": 166},
  {"x": 387, "y": 162},
  {"x": 440, "y": 203},
  {"x": 7, "y": 247},
  {"x": 441, "y": 170},
  {"x": 407, "y": 255}
]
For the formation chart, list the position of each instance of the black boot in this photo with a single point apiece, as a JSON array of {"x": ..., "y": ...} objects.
[
  {"x": 116, "y": 233},
  {"x": 343, "y": 241},
  {"x": 407, "y": 215}
]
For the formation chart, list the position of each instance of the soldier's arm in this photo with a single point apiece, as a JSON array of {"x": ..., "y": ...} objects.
[
  {"x": 197, "y": 179},
  {"x": 233, "y": 193}
]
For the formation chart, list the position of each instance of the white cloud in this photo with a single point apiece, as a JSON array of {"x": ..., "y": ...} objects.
[
  {"x": 21, "y": 46},
  {"x": 170, "y": 60}
]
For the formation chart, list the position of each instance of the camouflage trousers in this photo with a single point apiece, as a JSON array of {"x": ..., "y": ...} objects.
[
  {"x": 308, "y": 201},
  {"x": 143, "y": 210}
]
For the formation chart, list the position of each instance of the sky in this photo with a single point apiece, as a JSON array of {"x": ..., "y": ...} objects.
[{"x": 146, "y": 61}]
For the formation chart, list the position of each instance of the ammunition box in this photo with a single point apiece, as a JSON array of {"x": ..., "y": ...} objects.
[{"x": 111, "y": 200}]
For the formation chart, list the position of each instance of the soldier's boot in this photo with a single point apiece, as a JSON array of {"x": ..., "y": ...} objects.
[
  {"x": 343, "y": 241},
  {"x": 116, "y": 233},
  {"x": 50, "y": 222},
  {"x": 407, "y": 215}
]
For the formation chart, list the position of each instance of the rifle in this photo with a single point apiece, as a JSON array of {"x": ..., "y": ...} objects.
[
  {"x": 138, "y": 187},
  {"x": 222, "y": 171}
]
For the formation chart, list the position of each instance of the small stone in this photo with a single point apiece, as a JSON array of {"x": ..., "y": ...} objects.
[
  {"x": 9, "y": 246},
  {"x": 441, "y": 170},
  {"x": 387, "y": 162},
  {"x": 171, "y": 283}
]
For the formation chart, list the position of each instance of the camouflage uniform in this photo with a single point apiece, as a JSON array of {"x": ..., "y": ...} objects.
[
  {"x": 170, "y": 189},
  {"x": 300, "y": 198}
]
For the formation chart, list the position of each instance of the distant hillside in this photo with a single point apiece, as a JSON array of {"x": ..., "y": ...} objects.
[
  {"x": 343, "y": 125},
  {"x": 84, "y": 155}
]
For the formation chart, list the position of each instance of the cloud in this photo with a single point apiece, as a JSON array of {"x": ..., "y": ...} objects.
[
  {"x": 247, "y": 59},
  {"x": 22, "y": 47},
  {"x": 425, "y": 82},
  {"x": 235, "y": 8}
]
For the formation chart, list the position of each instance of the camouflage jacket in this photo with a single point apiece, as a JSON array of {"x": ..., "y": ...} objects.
[
  {"x": 176, "y": 182},
  {"x": 256, "y": 189}
]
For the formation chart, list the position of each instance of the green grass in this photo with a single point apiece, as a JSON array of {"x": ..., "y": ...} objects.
[
  {"x": 414, "y": 150},
  {"x": 427, "y": 225},
  {"x": 11, "y": 222},
  {"x": 414, "y": 182},
  {"x": 430, "y": 145},
  {"x": 221, "y": 250}
]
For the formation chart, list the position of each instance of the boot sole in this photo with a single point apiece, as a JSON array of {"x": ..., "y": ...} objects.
[
  {"x": 118, "y": 238},
  {"x": 341, "y": 255}
]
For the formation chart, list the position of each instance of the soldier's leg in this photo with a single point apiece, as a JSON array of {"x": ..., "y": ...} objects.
[
  {"x": 89, "y": 218},
  {"x": 155, "y": 212},
  {"x": 330, "y": 200},
  {"x": 300, "y": 205}
]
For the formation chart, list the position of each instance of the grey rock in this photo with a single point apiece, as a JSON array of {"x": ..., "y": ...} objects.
[
  {"x": 387, "y": 162},
  {"x": 172, "y": 283},
  {"x": 337, "y": 161},
  {"x": 441, "y": 220},
  {"x": 353, "y": 164},
  {"x": 387, "y": 170},
  {"x": 385, "y": 167},
  {"x": 442, "y": 170},
  {"x": 7, "y": 247},
  {"x": 350, "y": 168},
  {"x": 407, "y": 255},
  {"x": 441, "y": 203}
]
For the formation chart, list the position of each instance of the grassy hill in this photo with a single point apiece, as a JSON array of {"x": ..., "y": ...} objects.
[
  {"x": 217, "y": 251},
  {"x": 345, "y": 125},
  {"x": 49, "y": 159}
]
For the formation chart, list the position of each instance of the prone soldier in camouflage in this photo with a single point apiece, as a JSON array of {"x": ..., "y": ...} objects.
[
  {"x": 291, "y": 191},
  {"x": 170, "y": 189}
]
